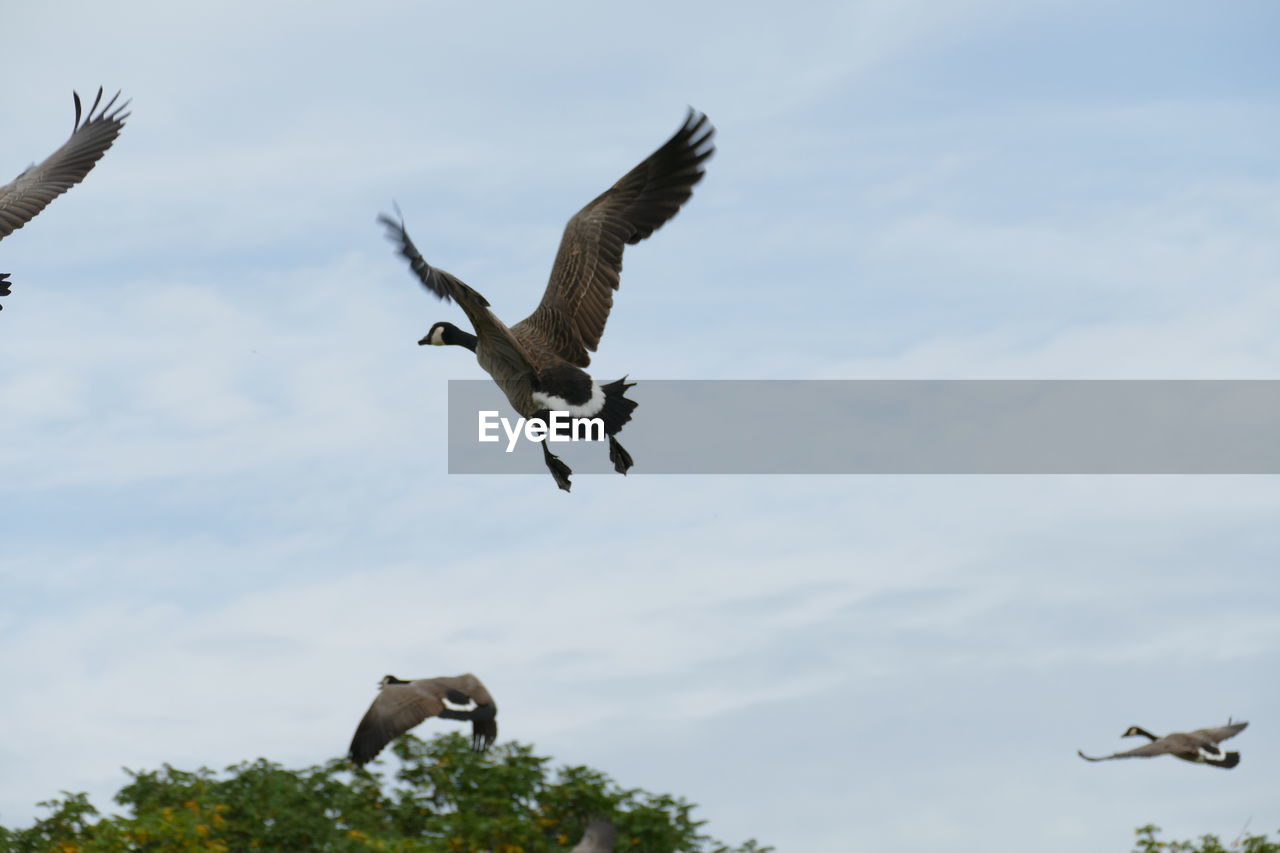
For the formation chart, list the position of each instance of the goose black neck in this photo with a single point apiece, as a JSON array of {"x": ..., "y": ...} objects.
[{"x": 456, "y": 337}]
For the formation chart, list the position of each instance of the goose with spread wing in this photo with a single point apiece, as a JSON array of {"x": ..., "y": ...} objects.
[
  {"x": 29, "y": 193},
  {"x": 1199, "y": 746},
  {"x": 538, "y": 362},
  {"x": 401, "y": 705}
]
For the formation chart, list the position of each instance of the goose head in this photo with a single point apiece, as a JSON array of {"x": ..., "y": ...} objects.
[{"x": 447, "y": 334}]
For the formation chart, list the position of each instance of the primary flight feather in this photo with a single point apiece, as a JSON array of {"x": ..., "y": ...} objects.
[{"x": 26, "y": 195}]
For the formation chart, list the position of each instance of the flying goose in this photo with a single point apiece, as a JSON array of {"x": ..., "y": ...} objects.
[
  {"x": 538, "y": 361},
  {"x": 1200, "y": 746},
  {"x": 401, "y": 705},
  {"x": 29, "y": 193},
  {"x": 599, "y": 836}
]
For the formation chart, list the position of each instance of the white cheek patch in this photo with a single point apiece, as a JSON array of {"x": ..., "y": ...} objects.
[
  {"x": 437, "y": 336},
  {"x": 558, "y": 404}
]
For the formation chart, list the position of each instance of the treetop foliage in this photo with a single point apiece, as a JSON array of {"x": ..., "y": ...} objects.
[
  {"x": 442, "y": 798},
  {"x": 1148, "y": 843}
]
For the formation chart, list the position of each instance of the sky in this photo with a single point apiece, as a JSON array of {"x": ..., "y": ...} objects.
[{"x": 226, "y": 509}]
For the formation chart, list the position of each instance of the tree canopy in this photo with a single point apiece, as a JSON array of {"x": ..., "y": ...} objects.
[
  {"x": 1149, "y": 843},
  {"x": 441, "y": 798}
]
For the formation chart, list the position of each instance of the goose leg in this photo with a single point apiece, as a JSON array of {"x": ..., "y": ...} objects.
[
  {"x": 558, "y": 469},
  {"x": 619, "y": 456}
]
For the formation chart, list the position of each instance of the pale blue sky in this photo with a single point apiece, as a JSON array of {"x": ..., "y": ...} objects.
[{"x": 226, "y": 513}]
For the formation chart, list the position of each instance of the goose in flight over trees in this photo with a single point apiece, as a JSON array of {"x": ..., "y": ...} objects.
[
  {"x": 538, "y": 361},
  {"x": 29, "y": 193},
  {"x": 401, "y": 705},
  {"x": 1199, "y": 746}
]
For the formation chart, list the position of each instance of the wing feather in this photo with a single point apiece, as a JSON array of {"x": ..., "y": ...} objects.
[
  {"x": 575, "y": 306},
  {"x": 397, "y": 708},
  {"x": 1221, "y": 733},
  {"x": 29, "y": 193},
  {"x": 1159, "y": 747},
  {"x": 493, "y": 335},
  {"x": 599, "y": 837}
]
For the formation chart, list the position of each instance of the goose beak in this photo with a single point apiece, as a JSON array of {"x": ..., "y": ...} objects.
[{"x": 424, "y": 341}]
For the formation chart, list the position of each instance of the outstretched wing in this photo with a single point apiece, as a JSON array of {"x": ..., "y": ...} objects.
[
  {"x": 494, "y": 336},
  {"x": 1159, "y": 747},
  {"x": 1219, "y": 734},
  {"x": 398, "y": 708},
  {"x": 30, "y": 192},
  {"x": 579, "y": 296}
]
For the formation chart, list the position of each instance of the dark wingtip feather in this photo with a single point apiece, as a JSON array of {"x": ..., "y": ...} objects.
[
  {"x": 105, "y": 114},
  {"x": 397, "y": 234},
  {"x": 392, "y": 225}
]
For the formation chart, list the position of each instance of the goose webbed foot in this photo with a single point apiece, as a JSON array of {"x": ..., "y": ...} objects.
[
  {"x": 558, "y": 469},
  {"x": 619, "y": 456}
]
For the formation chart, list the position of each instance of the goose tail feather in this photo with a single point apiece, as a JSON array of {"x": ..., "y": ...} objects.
[{"x": 617, "y": 408}]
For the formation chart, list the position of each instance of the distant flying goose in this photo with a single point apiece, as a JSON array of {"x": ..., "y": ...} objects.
[
  {"x": 599, "y": 837},
  {"x": 401, "y": 705},
  {"x": 1200, "y": 746},
  {"x": 537, "y": 362},
  {"x": 30, "y": 192}
]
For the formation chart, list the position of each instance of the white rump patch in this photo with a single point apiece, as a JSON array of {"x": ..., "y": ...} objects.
[
  {"x": 558, "y": 404},
  {"x": 453, "y": 706}
]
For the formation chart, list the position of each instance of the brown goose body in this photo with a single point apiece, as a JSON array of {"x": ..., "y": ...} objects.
[
  {"x": 401, "y": 705},
  {"x": 1199, "y": 746},
  {"x": 538, "y": 362},
  {"x": 26, "y": 195}
]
